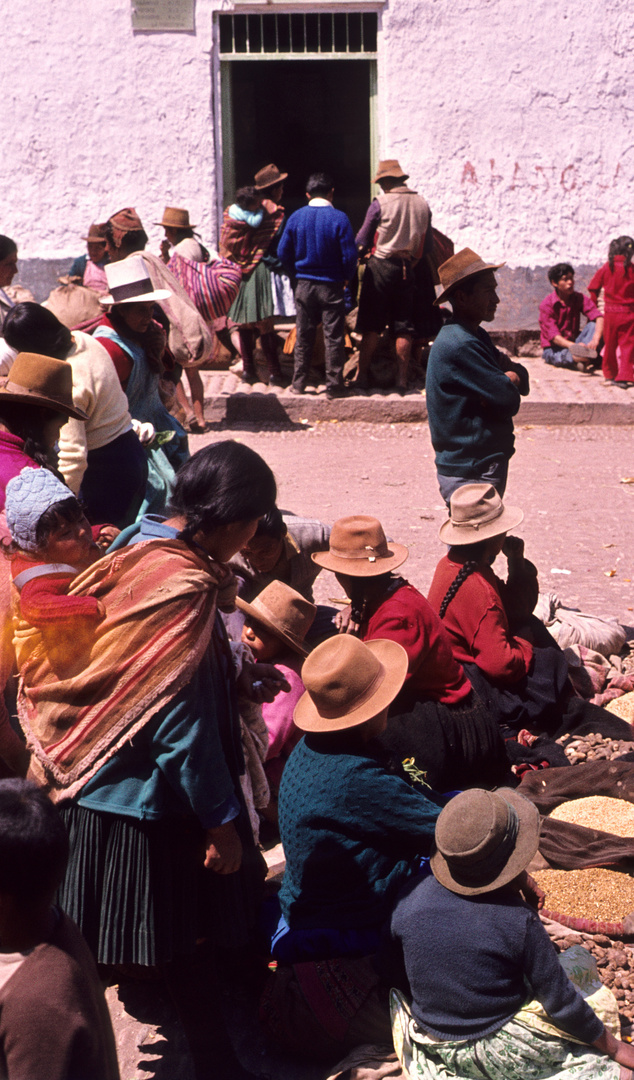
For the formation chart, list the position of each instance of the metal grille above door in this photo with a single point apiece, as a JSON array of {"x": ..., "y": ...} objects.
[{"x": 326, "y": 35}]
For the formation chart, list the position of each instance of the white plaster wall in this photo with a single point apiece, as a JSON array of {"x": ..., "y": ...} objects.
[
  {"x": 95, "y": 117},
  {"x": 515, "y": 119}
]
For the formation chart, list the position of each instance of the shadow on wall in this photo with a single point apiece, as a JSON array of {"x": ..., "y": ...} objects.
[{"x": 521, "y": 290}]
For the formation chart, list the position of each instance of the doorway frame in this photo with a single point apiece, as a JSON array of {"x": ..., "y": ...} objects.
[{"x": 225, "y": 149}]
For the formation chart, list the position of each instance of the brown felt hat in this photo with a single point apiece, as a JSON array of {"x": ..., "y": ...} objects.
[
  {"x": 389, "y": 169},
  {"x": 95, "y": 234},
  {"x": 358, "y": 547},
  {"x": 41, "y": 380},
  {"x": 483, "y": 840},
  {"x": 175, "y": 218},
  {"x": 476, "y": 512},
  {"x": 282, "y": 611},
  {"x": 348, "y": 682},
  {"x": 268, "y": 177},
  {"x": 462, "y": 265}
]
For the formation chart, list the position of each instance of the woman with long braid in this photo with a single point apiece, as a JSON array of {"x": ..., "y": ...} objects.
[
  {"x": 508, "y": 655},
  {"x": 437, "y": 722}
]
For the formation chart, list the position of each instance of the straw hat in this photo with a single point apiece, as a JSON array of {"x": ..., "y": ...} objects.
[
  {"x": 390, "y": 169},
  {"x": 95, "y": 234},
  {"x": 484, "y": 839},
  {"x": 462, "y": 265},
  {"x": 282, "y": 611},
  {"x": 40, "y": 380},
  {"x": 129, "y": 282},
  {"x": 358, "y": 547},
  {"x": 348, "y": 682},
  {"x": 476, "y": 512},
  {"x": 268, "y": 177},
  {"x": 175, "y": 218}
]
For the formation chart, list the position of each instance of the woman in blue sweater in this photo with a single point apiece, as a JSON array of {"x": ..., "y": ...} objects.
[{"x": 478, "y": 960}]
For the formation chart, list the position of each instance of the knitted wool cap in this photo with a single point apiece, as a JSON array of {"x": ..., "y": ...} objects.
[{"x": 28, "y": 496}]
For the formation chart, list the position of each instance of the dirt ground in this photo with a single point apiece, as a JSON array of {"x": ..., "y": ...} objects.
[
  {"x": 568, "y": 481},
  {"x": 577, "y": 527}
]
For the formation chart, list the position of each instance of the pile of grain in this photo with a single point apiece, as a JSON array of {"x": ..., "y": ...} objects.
[
  {"x": 615, "y": 962},
  {"x": 598, "y": 812},
  {"x": 594, "y": 748},
  {"x": 604, "y": 895}
]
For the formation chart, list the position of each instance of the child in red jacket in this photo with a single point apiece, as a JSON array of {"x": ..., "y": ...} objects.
[
  {"x": 52, "y": 543},
  {"x": 616, "y": 278}
]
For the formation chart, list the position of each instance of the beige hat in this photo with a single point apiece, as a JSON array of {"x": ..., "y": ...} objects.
[
  {"x": 175, "y": 218},
  {"x": 484, "y": 839},
  {"x": 462, "y": 265},
  {"x": 95, "y": 234},
  {"x": 348, "y": 682},
  {"x": 358, "y": 547},
  {"x": 41, "y": 380},
  {"x": 390, "y": 169},
  {"x": 476, "y": 512},
  {"x": 282, "y": 611},
  {"x": 268, "y": 177},
  {"x": 130, "y": 283}
]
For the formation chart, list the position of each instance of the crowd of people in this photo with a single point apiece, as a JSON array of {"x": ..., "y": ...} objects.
[{"x": 181, "y": 700}]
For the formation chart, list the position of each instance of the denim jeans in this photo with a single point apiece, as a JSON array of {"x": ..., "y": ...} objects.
[{"x": 559, "y": 356}]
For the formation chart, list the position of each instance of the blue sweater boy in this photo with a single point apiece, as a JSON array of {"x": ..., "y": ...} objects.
[{"x": 318, "y": 243}]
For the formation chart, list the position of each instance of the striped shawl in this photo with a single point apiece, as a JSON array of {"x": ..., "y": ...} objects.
[
  {"x": 80, "y": 700},
  {"x": 244, "y": 245}
]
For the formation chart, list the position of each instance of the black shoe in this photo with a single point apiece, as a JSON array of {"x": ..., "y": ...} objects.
[
  {"x": 296, "y": 389},
  {"x": 249, "y": 377},
  {"x": 277, "y": 379},
  {"x": 334, "y": 392},
  {"x": 622, "y": 385}
]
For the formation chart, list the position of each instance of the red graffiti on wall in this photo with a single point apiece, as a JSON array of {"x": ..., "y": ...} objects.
[{"x": 538, "y": 177}]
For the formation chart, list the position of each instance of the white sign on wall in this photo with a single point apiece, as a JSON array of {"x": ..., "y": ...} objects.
[{"x": 163, "y": 15}]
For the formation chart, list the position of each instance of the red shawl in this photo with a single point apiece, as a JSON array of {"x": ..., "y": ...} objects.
[{"x": 245, "y": 245}]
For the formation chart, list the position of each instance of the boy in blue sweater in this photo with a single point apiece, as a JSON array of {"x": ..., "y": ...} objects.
[{"x": 318, "y": 248}]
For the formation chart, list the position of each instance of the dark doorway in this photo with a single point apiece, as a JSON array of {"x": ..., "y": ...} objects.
[{"x": 305, "y": 116}]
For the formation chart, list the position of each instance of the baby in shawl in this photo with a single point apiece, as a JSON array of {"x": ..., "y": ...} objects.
[
  {"x": 52, "y": 543},
  {"x": 276, "y": 624}
]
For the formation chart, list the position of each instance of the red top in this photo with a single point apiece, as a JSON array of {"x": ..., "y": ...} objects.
[
  {"x": 563, "y": 317},
  {"x": 433, "y": 671},
  {"x": 44, "y": 600},
  {"x": 478, "y": 625},
  {"x": 618, "y": 285}
]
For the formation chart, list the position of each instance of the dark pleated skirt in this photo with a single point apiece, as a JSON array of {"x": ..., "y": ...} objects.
[{"x": 140, "y": 894}]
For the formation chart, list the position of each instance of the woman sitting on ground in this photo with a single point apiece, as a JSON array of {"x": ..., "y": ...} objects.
[
  {"x": 477, "y": 961},
  {"x": 511, "y": 659},
  {"x": 437, "y": 718}
]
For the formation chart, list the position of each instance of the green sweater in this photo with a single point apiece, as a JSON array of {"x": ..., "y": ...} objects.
[
  {"x": 351, "y": 832},
  {"x": 470, "y": 401}
]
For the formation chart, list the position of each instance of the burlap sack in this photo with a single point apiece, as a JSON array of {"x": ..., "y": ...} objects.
[{"x": 74, "y": 305}]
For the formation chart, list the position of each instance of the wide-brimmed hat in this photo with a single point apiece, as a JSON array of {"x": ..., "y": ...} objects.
[
  {"x": 483, "y": 840},
  {"x": 390, "y": 169},
  {"x": 462, "y": 265},
  {"x": 268, "y": 177},
  {"x": 129, "y": 282},
  {"x": 282, "y": 611},
  {"x": 95, "y": 234},
  {"x": 358, "y": 547},
  {"x": 348, "y": 682},
  {"x": 35, "y": 379},
  {"x": 174, "y": 217},
  {"x": 476, "y": 512}
]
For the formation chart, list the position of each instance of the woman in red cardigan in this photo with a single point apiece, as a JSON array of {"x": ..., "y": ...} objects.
[
  {"x": 437, "y": 719},
  {"x": 509, "y": 657}
]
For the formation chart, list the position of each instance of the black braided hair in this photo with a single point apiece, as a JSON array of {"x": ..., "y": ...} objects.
[
  {"x": 467, "y": 568},
  {"x": 623, "y": 245}
]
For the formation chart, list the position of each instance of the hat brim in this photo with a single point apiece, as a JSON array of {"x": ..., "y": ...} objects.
[
  {"x": 446, "y": 294},
  {"x": 158, "y": 294},
  {"x": 394, "y": 660},
  {"x": 525, "y": 848},
  {"x": 398, "y": 553},
  {"x": 259, "y": 616},
  {"x": 264, "y": 187},
  {"x": 44, "y": 402},
  {"x": 172, "y": 225},
  {"x": 94, "y": 239},
  {"x": 458, "y": 535},
  {"x": 390, "y": 176}
]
